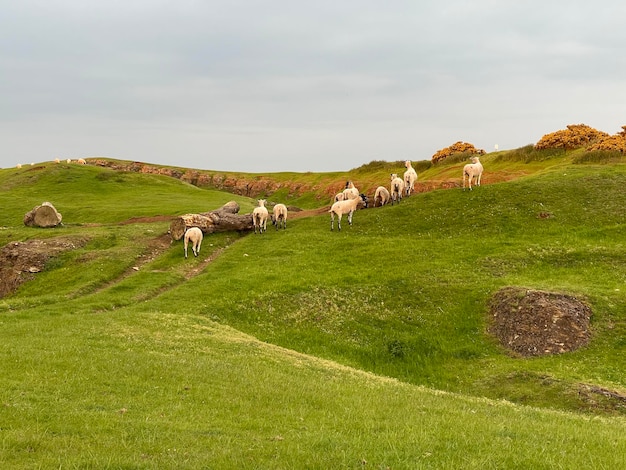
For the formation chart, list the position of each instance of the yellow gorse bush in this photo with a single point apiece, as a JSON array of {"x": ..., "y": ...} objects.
[
  {"x": 458, "y": 147},
  {"x": 581, "y": 135}
]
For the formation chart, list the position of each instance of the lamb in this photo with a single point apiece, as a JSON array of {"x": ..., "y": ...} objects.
[
  {"x": 397, "y": 188},
  {"x": 410, "y": 177},
  {"x": 193, "y": 235},
  {"x": 259, "y": 217},
  {"x": 473, "y": 171},
  {"x": 350, "y": 192},
  {"x": 279, "y": 216},
  {"x": 340, "y": 208},
  {"x": 381, "y": 195}
]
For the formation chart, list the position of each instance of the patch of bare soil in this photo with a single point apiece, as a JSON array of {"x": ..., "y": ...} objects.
[
  {"x": 20, "y": 261},
  {"x": 147, "y": 220},
  {"x": 535, "y": 323}
]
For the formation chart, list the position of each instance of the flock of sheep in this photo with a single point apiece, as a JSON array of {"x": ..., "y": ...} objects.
[{"x": 345, "y": 202}]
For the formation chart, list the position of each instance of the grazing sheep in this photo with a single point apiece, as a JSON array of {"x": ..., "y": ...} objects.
[
  {"x": 18, "y": 166},
  {"x": 279, "y": 216},
  {"x": 56, "y": 160},
  {"x": 340, "y": 208},
  {"x": 473, "y": 171},
  {"x": 397, "y": 188},
  {"x": 381, "y": 196},
  {"x": 81, "y": 161},
  {"x": 410, "y": 177},
  {"x": 193, "y": 235},
  {"x": 350, "y": 192},
  {"x": 68, "y": 160},
  {"x": 259, "y": 217}
]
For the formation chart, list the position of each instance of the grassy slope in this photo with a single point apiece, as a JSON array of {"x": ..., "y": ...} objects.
[{"x": 99, "y": 369}]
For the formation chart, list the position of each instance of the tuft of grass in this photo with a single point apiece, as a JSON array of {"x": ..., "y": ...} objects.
[
  {"x": 599, "y": 156},
  {"x": 529, "y": 154}
]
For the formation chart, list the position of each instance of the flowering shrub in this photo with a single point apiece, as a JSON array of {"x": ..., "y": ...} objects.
[
  {"x": 615, "y": 142},
  {"x": 458, "y": 147},
  {"x": 575, "y": 136}
]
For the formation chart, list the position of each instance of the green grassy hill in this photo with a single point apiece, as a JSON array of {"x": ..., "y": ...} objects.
[{"x": 306, "y": 348}]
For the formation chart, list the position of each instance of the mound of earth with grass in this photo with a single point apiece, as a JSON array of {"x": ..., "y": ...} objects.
[
  {"x": 19, "y": 261},
  {"x": 536, "y": 323}
]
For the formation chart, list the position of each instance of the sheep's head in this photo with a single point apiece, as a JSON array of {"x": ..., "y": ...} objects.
[
  {"x": 364, "y": 200},
  {"x": 407, "y": 164},
  {"x": 262, "y": 202},
  {"x": 394, "y": 176}
]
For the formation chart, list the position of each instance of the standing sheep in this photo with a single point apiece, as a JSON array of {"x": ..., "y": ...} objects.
[
  {"x": 473, "y": 171},
  {"x": 259, "y": 217},
  {"x": 279, "y": 216},
  {"x": 343, "y": 207},
  {"x": 381, "y": 196},
  {"x": 397, "y": 188},
  {"x": 410, "y": 177},
  {"x": 350, "y": 192},
  {"x": 193, "y": 235}
]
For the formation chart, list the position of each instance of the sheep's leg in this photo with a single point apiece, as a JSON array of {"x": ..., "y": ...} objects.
[
  {"x": 350, "y": 217},
  {"x": 332, "y": 221},
  {"x": 339, "y": 221},
  {"x": 185, "y": 249}
]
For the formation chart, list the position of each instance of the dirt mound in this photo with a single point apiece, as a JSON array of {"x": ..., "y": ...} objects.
[
  {"x": 536, "y": 323},
  {"x": 19, "y": 261}
]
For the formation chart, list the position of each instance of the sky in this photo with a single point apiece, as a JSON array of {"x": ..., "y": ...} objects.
[{"x": 287, "y": 85}]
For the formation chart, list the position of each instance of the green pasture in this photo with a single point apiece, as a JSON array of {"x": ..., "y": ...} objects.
[{"x": 306, "y": 348}]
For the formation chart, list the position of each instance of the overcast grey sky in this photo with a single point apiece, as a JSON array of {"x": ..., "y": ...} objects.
[{"x": 288, "y": 85}]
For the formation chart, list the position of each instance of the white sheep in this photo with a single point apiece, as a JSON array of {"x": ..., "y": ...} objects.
[
  {"x": 410, "y": 177},
  {"x": 56, "y": 160},
  {"x": 279, "y": 216},
  {"x": 340, "y": 208},
  {"x": 473, "y": 171},
  {"x": 81, "y": 161},
  {"x": 397, "y": 188},
  {"x": 259, "y": 217},
  {"x": 193, "y": 235},
  {"x": 350, "y": 192},
  {"x": 381, "y": 196},
  {"x": 18, "y": 166}
]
